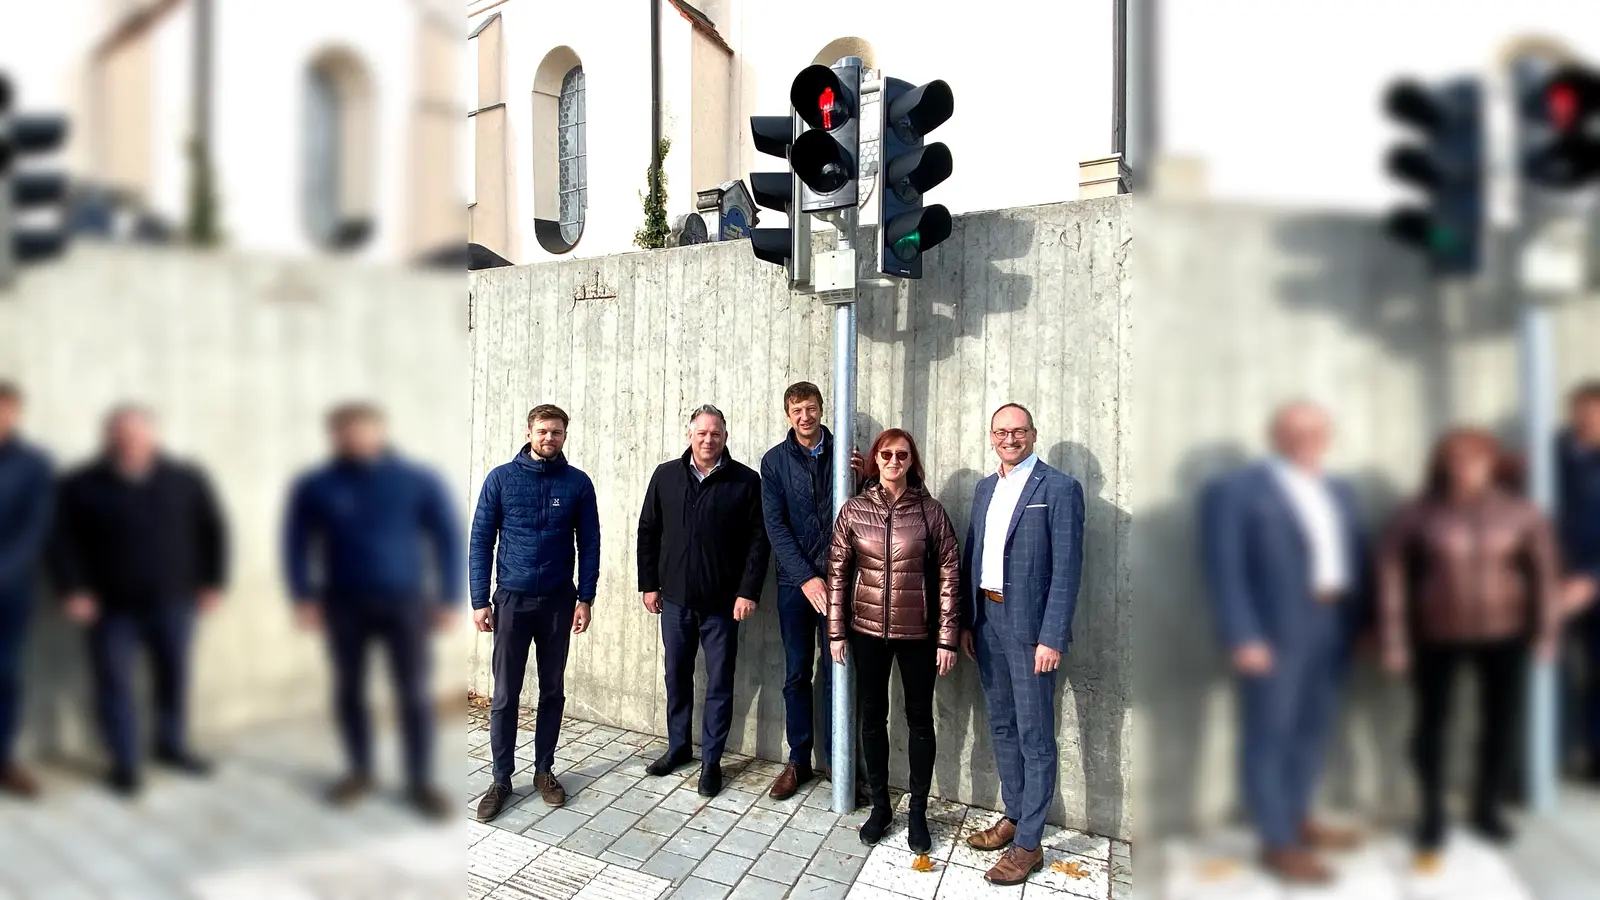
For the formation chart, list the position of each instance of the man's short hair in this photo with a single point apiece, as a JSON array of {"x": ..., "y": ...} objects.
[
  {"x": 138, "y": 410},
  {"x": 546, "y": 412},
  {"x": 1586, "y": 392},
  {"x": 1007, "y": 406},
  {"x": 709, "y": 410},
  {"x": 801, "y": 391},
  {"x": 10, "y": 392},
  {"x": 350, "y": 413}
]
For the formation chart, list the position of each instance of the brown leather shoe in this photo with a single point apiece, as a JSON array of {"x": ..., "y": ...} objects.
[
  {"x": 15, "y": 781},
  {"x": 995, "y": 837},
  {"x": 1296, "y": 865},
  {"x": 1325, "y": 837},
  {"x": 494, "y": 800},
  {"x": 349, "y": 789},
  {"x": 789, "y": 781},
  {"x": 1015, "y": 865},
  {"x": 431, "y": 803},
  {"x": 549, "y": 789}
]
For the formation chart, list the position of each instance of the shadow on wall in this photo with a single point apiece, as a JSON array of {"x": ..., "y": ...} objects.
[{"x": 58, "y": 705}]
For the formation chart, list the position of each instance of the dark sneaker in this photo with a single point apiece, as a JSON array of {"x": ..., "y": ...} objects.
[
  {"x": 494, "y": 800},
  {"x": 871, "y": 831},
  {"x": 184, "y": 761},
  {"x": 670, "y": 762},
  {"x": 349, "y": 789},
  {"x": 710, "y": 780},
  {"x": 124, "y": 782},
  {"x": 550, "y": 790}
]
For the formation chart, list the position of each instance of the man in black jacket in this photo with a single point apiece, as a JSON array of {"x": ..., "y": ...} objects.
[
  {"x": 702, "y": 561},
  {"x": 141, "y": 545},
  {"x": 26, "y": 497}
]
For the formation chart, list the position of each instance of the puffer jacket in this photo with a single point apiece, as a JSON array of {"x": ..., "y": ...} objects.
[
  {"x": 894, "y": 570},
  {"x": 543, "y": 515},
  {"x": 797, "y": 501}
]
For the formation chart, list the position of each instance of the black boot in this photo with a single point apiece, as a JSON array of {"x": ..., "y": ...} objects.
[
  {"x": 917, "y": 837},
  {"x": 877, "y": 822}
]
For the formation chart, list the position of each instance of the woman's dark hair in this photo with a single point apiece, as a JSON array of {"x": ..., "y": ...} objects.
[
  {"x": 914, "y": 474},
  {"x": 1507, "y": 470}
]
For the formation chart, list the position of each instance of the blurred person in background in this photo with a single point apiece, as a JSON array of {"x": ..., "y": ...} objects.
[
  {"x": 356, "y": 537},
  {"x": 1468, "y": 576},
  {"x": 797, "y": 502},
  {"x": 26, "y": 499},
  {"x": 1021, "y": 568},
  {"x": 1284, "y": 557},
  {"x": 703, "y": 555},
  {"x": 537, "y": 520},
  {"x": 894, "y": 580},
  {"x": 1578, "y": 517},
  {"x": 142, "y": 545}
]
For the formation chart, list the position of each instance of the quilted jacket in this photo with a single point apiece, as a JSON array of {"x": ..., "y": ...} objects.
[
  {"x": 543, "y": 516},
  {"x": 894, "y": 570}
]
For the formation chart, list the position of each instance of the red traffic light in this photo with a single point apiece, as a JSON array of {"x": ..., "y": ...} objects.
[
  {"x": 1561, "y": 104},
  {"x": 821, "y": 99}
]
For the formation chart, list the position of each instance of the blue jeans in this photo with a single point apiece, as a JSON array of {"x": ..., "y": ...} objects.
[{"x": 805, "y": 633}]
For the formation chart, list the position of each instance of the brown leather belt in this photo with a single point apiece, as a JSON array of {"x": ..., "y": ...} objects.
[
  {"x": 1329, "y": 596},
  {"x": 995, "y": 596}
]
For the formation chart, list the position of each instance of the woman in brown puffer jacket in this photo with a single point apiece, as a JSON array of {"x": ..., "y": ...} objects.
[{"x": 893, "y": 579}]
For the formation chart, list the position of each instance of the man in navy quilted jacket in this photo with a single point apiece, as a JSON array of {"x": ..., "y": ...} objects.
[
  {"x": 543, "y": 515},
  {"x": 362, "y": 523}
]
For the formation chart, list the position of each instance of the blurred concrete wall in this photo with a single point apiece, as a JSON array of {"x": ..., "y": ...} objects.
[
  {"x": 1241, "y": 309},
  {"x": 240, "y": 358},
  {"x": 1027, "y": 305}
]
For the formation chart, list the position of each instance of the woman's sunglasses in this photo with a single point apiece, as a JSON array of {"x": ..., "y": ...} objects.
[{"x": 901, "y": 455}]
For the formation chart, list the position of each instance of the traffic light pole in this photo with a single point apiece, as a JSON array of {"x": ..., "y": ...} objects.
[{"x": 844, "y": 427}]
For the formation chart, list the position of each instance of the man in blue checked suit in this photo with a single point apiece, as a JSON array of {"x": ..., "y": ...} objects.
[
  {"x": 1020, "y": 570},
  {"x": 1285, "y": 564}
]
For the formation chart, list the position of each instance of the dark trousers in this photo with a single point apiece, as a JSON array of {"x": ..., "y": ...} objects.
[
  {"x": 1501, "y": 683},
  {"x": 165, "y": 631},
  {"x": 15, "y": 606},
  {"x": 807, "y": 704},
  {"x": 918, "y": 671},
  {"x": 1286, "y": 718},
  {"x": 521, "y": 623},
  {"x": 1022, "y": 722},
  {"x": 1591, "y": 672},
  {"x": 683, "y": 633},
  {"x": 402, "y": 629}
]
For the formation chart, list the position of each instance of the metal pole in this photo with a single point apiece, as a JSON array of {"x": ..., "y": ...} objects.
[
  {"x": 844, "y": 418},
  {"x": 1539, "y": 391}
]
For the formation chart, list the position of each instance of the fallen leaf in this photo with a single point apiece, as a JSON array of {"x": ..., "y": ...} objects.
[
  {"x": 1219, "y": 869},
  {"x": 922, "y": 864},
  {"x": 1429, "y": 863},
  {"x": 1071, "y": 869}
]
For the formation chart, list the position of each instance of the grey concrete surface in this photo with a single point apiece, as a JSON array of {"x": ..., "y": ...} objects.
[{"x": 1026, "y": 305}]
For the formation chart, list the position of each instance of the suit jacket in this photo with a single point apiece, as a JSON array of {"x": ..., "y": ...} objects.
[
  {"x": 1044, "y": 560},
  {"x": 1258, "y": 559}
]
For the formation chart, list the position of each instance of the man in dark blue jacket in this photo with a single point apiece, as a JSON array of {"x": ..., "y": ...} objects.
[
  {"x": 359, "y": 522},
  {"x": 1578, "y": 518},
  {"x": 1285, "y": 561},
  {"x": 543, "y": 514},
  {"x": 702, "y": 561},
  {"x": 26, "y": 499},
  {"x": 797, "y": 503}
]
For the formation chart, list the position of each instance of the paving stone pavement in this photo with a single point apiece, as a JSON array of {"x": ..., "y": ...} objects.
[{"x": 626, "y": 836}]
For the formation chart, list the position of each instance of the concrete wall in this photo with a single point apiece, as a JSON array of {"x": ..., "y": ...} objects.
[
  {"x": 240, "y": 358},
  {"x": 1243, "y": 308},
  {"x": 1026, "y": 305}
]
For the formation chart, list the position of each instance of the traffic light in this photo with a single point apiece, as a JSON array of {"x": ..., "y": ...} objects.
[
  {"x": 908, "y": 168},
  {"x": 1560, "y": 128},
  {"x": 826, "y": 154},
  {"x": 1447, "y": 167},
  {"x": 789, "y": 246},
  {"x": 27, "y": 187}
]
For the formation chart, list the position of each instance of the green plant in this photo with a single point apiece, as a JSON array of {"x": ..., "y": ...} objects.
[
  {"x": 202, "y": 228},
  {"x": 653, "y": 235}
]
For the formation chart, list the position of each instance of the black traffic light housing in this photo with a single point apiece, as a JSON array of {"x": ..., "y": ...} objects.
[
  {"x": 1447, "y": 167},
  {"x": 789, "y": 246},
  {"x": 1559, "y": 128},
  {"x": 826, "y": 154},
  {"x": 907, "y": 169},
  {"x": 28, "y": 188}
]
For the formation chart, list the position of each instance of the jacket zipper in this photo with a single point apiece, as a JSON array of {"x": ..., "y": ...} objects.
[{"x": 888, "y": 568}]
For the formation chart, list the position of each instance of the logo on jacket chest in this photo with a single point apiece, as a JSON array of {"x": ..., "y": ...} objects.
[{"x": 556, "y": 501}]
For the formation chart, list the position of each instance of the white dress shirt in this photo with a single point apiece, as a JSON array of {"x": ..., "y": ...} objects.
[
  {"x": 1007, "y": 493},
  {"x": 1317, "y": 511}
]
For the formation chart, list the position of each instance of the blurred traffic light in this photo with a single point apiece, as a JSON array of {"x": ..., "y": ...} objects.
[
  {"x": 1446, "y": 166},
  {"x": 1560, "y": 128}
]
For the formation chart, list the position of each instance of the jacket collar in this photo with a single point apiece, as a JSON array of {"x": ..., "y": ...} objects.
[
  {"x": 723, "y": 463},
  {"x": 799, "y": 449},
  {"x": 881, "y": 497},
  {"x": 538, "y": 465}
]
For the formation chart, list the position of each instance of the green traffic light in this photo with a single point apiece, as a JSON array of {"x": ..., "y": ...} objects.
[
  {"x": 907, "y": 248},
  {"x": 1443, "y": 239}
]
